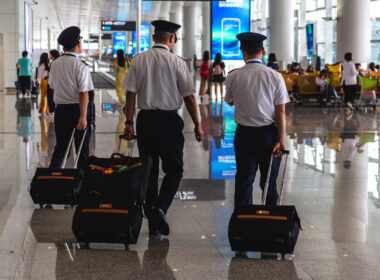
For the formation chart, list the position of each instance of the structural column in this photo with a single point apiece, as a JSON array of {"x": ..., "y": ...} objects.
[
  {"x": 354, "y": 30},
  {"x": 176, "y": 16},
  {"x": 206, "y": 29},
  {"x": 189, "y": 28},
  {"x": 281, "y": 26},
  {"x": 329, "y": 35}
]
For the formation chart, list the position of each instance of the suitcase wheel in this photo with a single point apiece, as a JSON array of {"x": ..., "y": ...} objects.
[
  {"x": 283, "y": 256},
  {"x": 84, "y": 245},
  {"x": 241, "y": 254},
  {"x": 41, "y": 206},
  {"x": 126, "y": 246}
]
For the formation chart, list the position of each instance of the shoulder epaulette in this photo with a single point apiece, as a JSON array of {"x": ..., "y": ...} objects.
[
  {"x": 181, "y": 58},
  {"x": 233, "y": 70}
]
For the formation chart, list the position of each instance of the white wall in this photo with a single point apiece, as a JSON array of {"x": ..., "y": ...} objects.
[{"x": 12, "y": 28}]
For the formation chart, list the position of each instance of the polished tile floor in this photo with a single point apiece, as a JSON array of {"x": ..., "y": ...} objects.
[{"x": 332, "y": 178}]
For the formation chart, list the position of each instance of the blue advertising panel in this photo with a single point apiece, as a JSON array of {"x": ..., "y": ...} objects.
[
  {"x": 144, "y": 38},
  {"x": 223, "y": 163},
  {"x": 119, "y": 41},
  {"x": 310, "y": 39},
  {"x": 229, "y": 18}
]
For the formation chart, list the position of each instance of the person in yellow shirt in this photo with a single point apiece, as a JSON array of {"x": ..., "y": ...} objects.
[{"x": 120, "y": 66}]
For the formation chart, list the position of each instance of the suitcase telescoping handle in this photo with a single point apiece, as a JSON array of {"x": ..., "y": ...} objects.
[
  {"x": 265, "y": 192},
  {"x": 68, "y": 149},
  {"x": 123, "y": 136}
]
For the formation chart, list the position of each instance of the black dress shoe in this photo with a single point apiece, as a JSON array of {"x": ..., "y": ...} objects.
[
  {"x": 153, "y": 231},
  {"x": 159, "y": 218}
]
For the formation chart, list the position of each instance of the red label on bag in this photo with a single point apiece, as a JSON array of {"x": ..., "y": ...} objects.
[{"x": 104, "y": 205}]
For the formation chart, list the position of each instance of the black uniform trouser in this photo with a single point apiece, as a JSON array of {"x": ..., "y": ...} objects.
[
  {"x": 24, "y": 83},
  {"x": 159, "y": 135},
  {"x": 65, "y": 120},
  {"x": 349, "y": 93},
  {"x": 253, "y": 150}
]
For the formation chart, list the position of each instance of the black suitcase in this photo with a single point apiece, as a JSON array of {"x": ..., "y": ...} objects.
[
  {"x": 265, "y": 228},
  {"x": 58, "y": 185},
  {"x": 111, "y": 205},
  {"x": 130, "y": 183},
  {"x": 107, "y": 220}
]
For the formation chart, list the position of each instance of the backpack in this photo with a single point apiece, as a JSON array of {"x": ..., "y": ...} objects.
[
  {"x": 217, "y": 70},
  {"x": 204, "y": 69}
]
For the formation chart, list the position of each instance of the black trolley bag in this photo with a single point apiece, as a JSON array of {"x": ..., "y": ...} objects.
[
  {"x": 110, "y": 208},
  {"x": 265, "y": 228},
  {"x": 58, "y": 185}
]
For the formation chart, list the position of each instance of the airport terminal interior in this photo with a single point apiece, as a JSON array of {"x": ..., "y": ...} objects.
[{"x": 332, "y": 175}]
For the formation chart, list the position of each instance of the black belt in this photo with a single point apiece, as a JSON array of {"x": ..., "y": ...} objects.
[
  {"x": 66, "y": 105},
  {"x": 158, "y": 110},
  {"x": 257, "y": 127}
]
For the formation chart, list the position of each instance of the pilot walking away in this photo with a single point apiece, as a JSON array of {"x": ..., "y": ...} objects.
[
  {"x": 71, "y": 81},
  {"x": 161, "y": 82},
  {"x": 259, "y": 95}
]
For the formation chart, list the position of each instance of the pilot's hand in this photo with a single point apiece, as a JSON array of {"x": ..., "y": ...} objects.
[
  {"x": 198, "y": 133},
  {"x": 82, "y": 123},
  {"x": 278, "y": 148},
  {"x": 129, "y": 132}
]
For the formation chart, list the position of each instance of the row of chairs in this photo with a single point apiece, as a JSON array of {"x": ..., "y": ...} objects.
[{"x": 305, "y": 86}]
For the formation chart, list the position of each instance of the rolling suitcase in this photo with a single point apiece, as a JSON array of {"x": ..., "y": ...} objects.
[
  {"x": 107, "y": 220},
  {"x": 110, "y": 207},
  {"x": 58, "y": 185},
  {"x": 265, "y": 228}
]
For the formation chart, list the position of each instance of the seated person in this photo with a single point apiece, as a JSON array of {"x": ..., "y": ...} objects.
[
  {"x": 358, "y": 67},
  {"x": 321, "y": 82},
  {"x": 301, "y": 71},
  {"x": 310, "y": 69}
]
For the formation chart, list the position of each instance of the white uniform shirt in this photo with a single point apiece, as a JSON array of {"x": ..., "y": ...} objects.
[
  {"x": 255, "y": 90},
  {"x": 349, "y": 74},
  {"x": 68, "y": 77},
  {"x": 160, "y": 79}
]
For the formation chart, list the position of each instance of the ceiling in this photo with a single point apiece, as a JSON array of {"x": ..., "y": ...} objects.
[{"x": 87, "y": 14}]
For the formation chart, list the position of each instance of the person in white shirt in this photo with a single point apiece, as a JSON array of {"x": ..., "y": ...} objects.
[
  {"x": 42, "y": 81},
  {"x": 71, "y": 81},
  {"x": 349, "y": 81},
  {"x": 161, "y": 82},
  {"x": 259, "y": 95}
]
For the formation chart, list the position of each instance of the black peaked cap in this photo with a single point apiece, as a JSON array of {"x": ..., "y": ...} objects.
[
  {"x": 251, "y": 39},
  {"x": 165, "y": 26},
  {"x": 69, "y": 37}
]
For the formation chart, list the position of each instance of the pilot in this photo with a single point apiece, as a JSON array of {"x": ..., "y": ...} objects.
[
  {"x": 161, "y": 82},
  {"x": 71, "y": 80},
  {"x": 259, "y": 96}
]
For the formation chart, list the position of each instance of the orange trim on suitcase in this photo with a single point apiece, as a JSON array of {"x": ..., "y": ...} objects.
[
  {"x": 56, "y": 177},
  {"x": 105, "y": 211},
  {"x": 262, "y": 217}
]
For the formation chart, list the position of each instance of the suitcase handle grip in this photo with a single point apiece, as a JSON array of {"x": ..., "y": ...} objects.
[{"x": 123, "y": 136}]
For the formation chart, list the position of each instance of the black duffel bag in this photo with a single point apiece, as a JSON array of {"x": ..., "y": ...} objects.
[
  {"x": 264, "y": 228},
  {"x": 58, "y": 185},
  {"x": 117, "y": 176}
]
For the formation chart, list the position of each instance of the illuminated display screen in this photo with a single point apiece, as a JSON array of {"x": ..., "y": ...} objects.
[
  {"x": 144, "y": 39},
  {"x": 310, "y": 39},
  {"x": 223, "y": 163},
  {"x": 229, "y": 18},
  {"x": 119, "y": 41}
]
